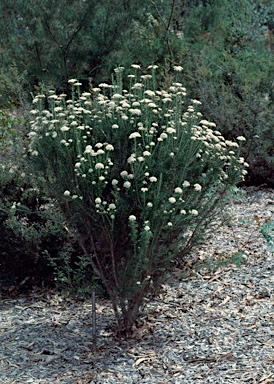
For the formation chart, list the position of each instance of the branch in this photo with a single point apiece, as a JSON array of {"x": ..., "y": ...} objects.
[
  {"x": 80, "y": 26},
  {"x": 160, "y": 16},
  {"x": 171, "y": 14}
]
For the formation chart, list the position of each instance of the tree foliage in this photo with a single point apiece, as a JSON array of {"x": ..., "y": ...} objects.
[{"x": 55, "y": 40}]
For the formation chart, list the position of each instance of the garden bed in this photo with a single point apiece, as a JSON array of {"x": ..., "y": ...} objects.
[{"x": 213, "y": 320}]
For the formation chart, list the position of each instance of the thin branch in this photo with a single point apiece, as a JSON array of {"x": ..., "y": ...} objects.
[
  {"x": 80, "y": 26},
  {"x": 167, "y": 26},
  {"x": 159, "y": 14},
  {"x": 171, "y": 14}
]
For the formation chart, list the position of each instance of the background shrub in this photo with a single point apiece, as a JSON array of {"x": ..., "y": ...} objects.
[
  {"x": 229, "y": 66},
  {"x": 35, "y": 246},
  {"x": 20, "y": 255},
  {"x": 50, "y": 41}
]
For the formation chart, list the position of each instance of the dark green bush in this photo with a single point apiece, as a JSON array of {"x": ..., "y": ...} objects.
[
  {"x": 229, "y": 69},
  {"x": 19, "y": 257},
  {"x": 35, "y": 245},
  {"x": 55, "y": 40}
]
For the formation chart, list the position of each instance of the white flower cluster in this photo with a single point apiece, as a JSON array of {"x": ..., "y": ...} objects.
[{"x": 145, "y": 127}]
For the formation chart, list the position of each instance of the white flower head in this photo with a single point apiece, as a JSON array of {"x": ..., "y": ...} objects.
[
  {"x": 99, "y": 166},
  {"x": 67, "y": 193},
  {"x": 186, "y": 184},
  {"x": 88, "y": 149},
  {"x": 132, "y": 218},
  {"x": 171, "y": 130},
  {"x": 241, "y": 138},
  {"x": 127, "y": 184},
  {"x": 178, "y": 68},
  {"x": 135, "y": 111},
  {"x": 194, "y": 212},
  {"x": 131, "y": 159},
  {"x": 137, "y": 86},
  {"x": 172, "y": 200},
  {"x": 98, "y": 200},
  {"x": 146, "y": 153},
  {"x": 197, "y": 187},
  {"x": 109, "y": 147},
  {"x": 149, "y": 93},
  {"x": 114, "y": 182},
  {"x": 118, "y": 69},
  {"x": 163, "y": 135},
  {"x": 64, "y": 128},
  {"x": 153, "y": 179},
  {"x": 197, "y": 102},
  {"x": 31, "y": 134},
  {"x": 134, "y": 135},
  {"x": 204, "y": 122},
  {"x": 178, "y": 190},
  {"x": 98, "y": 145},
  {"x": 124, "y": 173},
  {"x": 112, "y": 206}
]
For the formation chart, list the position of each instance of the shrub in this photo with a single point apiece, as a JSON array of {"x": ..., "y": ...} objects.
[
  {"x": 12, "y": 84},
  {"x": 50, "y": 41},
  {"x": 228, "y": 68},
  {"x": 32, "y": 229},
  {"x": 138, "y": 174},
  {"x": 20, "y": 256}
]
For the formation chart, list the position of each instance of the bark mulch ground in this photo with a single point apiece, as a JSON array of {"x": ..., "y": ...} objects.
[{"x": 212, "y": 322}]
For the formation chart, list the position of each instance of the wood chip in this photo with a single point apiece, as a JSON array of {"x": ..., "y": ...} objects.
[{"x": 213, "y": 321}]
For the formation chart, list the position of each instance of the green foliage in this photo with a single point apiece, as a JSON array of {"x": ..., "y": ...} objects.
[
  {"x": 212, "y": 264},
  {"x": 32, "y": 228},
  {"x": 138, "y": 175},
  {"x": 229, "y": 69},
  {"x": 12, "y": 85},
  {"x": 55, "y": 40},
  {"x": 18, "y": 258},
  {"x": 73, "y": 274},
  {"x": 6, "y": 127},
  {"x": 267, "y": 230},
  {"x": 237, "y": 195}
]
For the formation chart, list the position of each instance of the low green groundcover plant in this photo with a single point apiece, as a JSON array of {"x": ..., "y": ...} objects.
[{"x": 138, "y": 174}]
